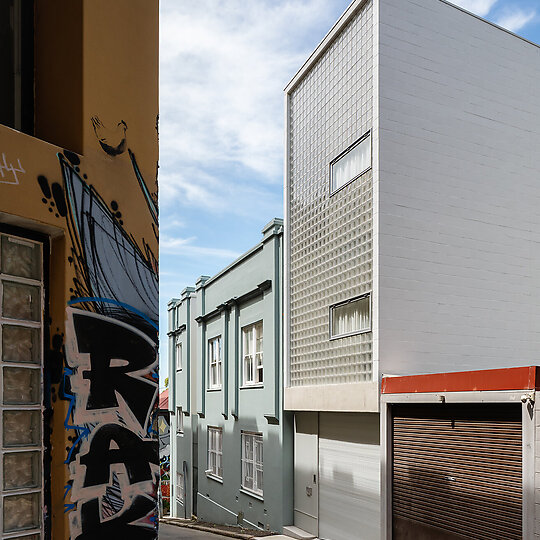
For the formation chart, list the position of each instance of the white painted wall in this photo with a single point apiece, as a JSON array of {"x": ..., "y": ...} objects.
[{"x": 459, "y": 192}]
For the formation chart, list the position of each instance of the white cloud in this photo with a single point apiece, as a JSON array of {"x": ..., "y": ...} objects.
[
  {"x": 185, "y": 247},
  {"x": 223, "y": 69},
  {"x": 516, "y": 19},
  {"x": 479, "y": 7}
]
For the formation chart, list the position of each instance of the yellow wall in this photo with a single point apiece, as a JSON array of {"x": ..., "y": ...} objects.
[{"x": 96, "y": 66}]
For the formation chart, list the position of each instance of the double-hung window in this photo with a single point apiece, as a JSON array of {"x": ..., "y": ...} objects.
[
  {"x": 214, "y": 363},
  {"x": 21, "y": 330},
  {"x": 351, "y": 163},
  {"x": 180, "y": 487},
  {"x": 351, "y": 317},
  {"x": 215, "y": 452},
  {"x": 178, "y": 354},
  {"x": 253, "y": 354},
  {"x": 179, "y": 421},
  {"x": 252, "y": 462}
]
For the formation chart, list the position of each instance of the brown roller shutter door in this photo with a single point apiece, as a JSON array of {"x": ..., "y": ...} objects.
[{"x": 457, "y": 472}]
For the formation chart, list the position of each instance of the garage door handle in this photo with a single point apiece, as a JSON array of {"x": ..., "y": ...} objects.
[{"x": 451, "y": 478}]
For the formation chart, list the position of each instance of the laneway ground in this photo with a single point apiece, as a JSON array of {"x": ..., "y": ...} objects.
[{"x": 172, "y": 532}]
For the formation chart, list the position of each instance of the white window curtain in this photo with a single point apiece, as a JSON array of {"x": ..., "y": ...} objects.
[
  {"x": 351, "y": 317},
  {"x": 350, "y": 165}
]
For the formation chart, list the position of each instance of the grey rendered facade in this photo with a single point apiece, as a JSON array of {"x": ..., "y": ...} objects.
[
  {"x": 220, "y": 391},
  {"x": 440, "y": 232}
]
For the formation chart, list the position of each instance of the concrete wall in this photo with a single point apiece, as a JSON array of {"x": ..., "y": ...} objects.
[
  {"x": 458, "y": 193},
  {"x": 234, "y": 407},
  {"x": 92, "y": 206}
]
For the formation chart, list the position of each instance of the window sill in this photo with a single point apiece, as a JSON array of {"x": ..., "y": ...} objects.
[
  {"x": 246, "y": 386},
  {"x": 358, "y": 332},
  {"x": 217, "y": 389},
  {"x": 214, "y": 477},
  {"x": 251, "y": 494}
]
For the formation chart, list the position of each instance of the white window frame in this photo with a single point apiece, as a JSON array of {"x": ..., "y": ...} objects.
[
  {"x": 178, "y": 353},
  {"x": 252, "y": 363},
  {"x": 257, "y": 440},
  {"x": 215, "y": 452},
  {"x": 349, "y": 301},
  {"x": 365, "y": 138},
  {"x": 179, "y": 421},
  {"x": 214, "y": 363},
  {"x": 37, "y": 407},
  {"x": 180, "y": 487}
]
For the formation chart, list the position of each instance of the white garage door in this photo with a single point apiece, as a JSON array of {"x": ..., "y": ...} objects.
[{"x": 349, "y": 483}]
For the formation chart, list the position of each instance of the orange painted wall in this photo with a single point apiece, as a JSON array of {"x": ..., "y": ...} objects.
[{"x": 96, "y": 77}]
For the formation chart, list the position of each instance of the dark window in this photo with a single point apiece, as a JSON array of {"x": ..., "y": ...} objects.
[{"x": 17, "y": 64}]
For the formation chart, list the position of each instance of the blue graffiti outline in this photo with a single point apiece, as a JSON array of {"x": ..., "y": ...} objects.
[
  {"x": 70, "y": 506},
  {"x": 116, "y": 303},
  {"x": 84, "y": 430}
]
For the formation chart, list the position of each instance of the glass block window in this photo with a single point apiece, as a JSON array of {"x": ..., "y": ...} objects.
[
  {"x": 350, "y": 317},
  {"x": 253, "y": 353},
  {"x": 21, "y": 323},
  {"x": 215, "y": 452},
  {"x": 252, "y": 462},
  {"x": 330, "y": 235},
  {"x": 178, "y": 354},
  {"x": 352, "y": 163},
  {"x": 180, "y": 487},
  {"x": 214, "y": 363}
]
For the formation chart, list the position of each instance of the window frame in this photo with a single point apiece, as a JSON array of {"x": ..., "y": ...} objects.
[
  {"x": 179, "y": 421},
  {"x": 257, "y": 438},
  {"x": 178, "y": 353},
  {"x": 212, "y": 384},
  {"x": 343, "y": 154},
  {"x": 254, "y": 357},
  {"x": 180, "y": 495},
  {"x": 344, "y": 303},
  {"x": 211, "y": 471}
]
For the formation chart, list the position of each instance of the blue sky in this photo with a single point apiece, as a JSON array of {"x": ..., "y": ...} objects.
[{"x": 223, "y": 67}]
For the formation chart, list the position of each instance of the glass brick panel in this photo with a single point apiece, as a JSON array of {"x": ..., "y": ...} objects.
[
  {"x": 21, "y": 301},
  {"x": 22, "y": 470},
  {"x": 330, "y": 235},
  {"x": 20, "y": 258},
  {"x": 21, "y": 428},
  {"x": 21, "y": 386},
  {"x": 21, "y": 344},
  {"x": 21, "y": 512}
]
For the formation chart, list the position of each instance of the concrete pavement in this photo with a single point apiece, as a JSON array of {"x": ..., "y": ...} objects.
[{"x": 172, "y": 532}]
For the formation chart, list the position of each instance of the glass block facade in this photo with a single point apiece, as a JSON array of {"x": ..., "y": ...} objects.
[{"x": 330, "y": 235}]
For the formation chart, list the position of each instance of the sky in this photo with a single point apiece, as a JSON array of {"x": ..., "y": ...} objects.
[{"x": 223, "y": 67}]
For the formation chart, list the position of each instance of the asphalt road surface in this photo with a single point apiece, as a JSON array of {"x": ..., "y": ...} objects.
[{"x": 172, "y": 532}]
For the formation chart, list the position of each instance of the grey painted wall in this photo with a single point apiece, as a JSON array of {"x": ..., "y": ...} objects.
[
  {"x": 219, "y": 307},
  {"x": 459, "y": 192}
]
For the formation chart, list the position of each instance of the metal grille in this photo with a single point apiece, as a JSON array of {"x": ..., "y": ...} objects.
[
  {"x": 457, "y": 472},
  {"x": 330, "y": 235},
  {"x": 21, "y": 351}
]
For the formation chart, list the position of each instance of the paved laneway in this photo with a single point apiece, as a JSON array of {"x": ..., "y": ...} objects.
[{"x": 172, "y": 532}]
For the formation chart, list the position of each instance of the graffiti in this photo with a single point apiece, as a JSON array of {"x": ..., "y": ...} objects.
[
  {"x": 5, "y": 170},
  {"x": 114, "y": 462},
  {"x": 113, "y": 141},
  {"x": 107, "y": 361}
]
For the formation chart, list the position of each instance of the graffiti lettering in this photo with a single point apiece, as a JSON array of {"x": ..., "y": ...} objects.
[
  {"x": 118, "y": 360},
  {"x": 5, "y": 168},
  {"x": 135, "y": 454}
]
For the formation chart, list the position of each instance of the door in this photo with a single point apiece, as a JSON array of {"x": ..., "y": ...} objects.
[
  {"x": 349, "y": 473},
  {"x": 306, "y": 494},
  {"x": 21, "y": 447},
  {"x": 457, "y": 472}
]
